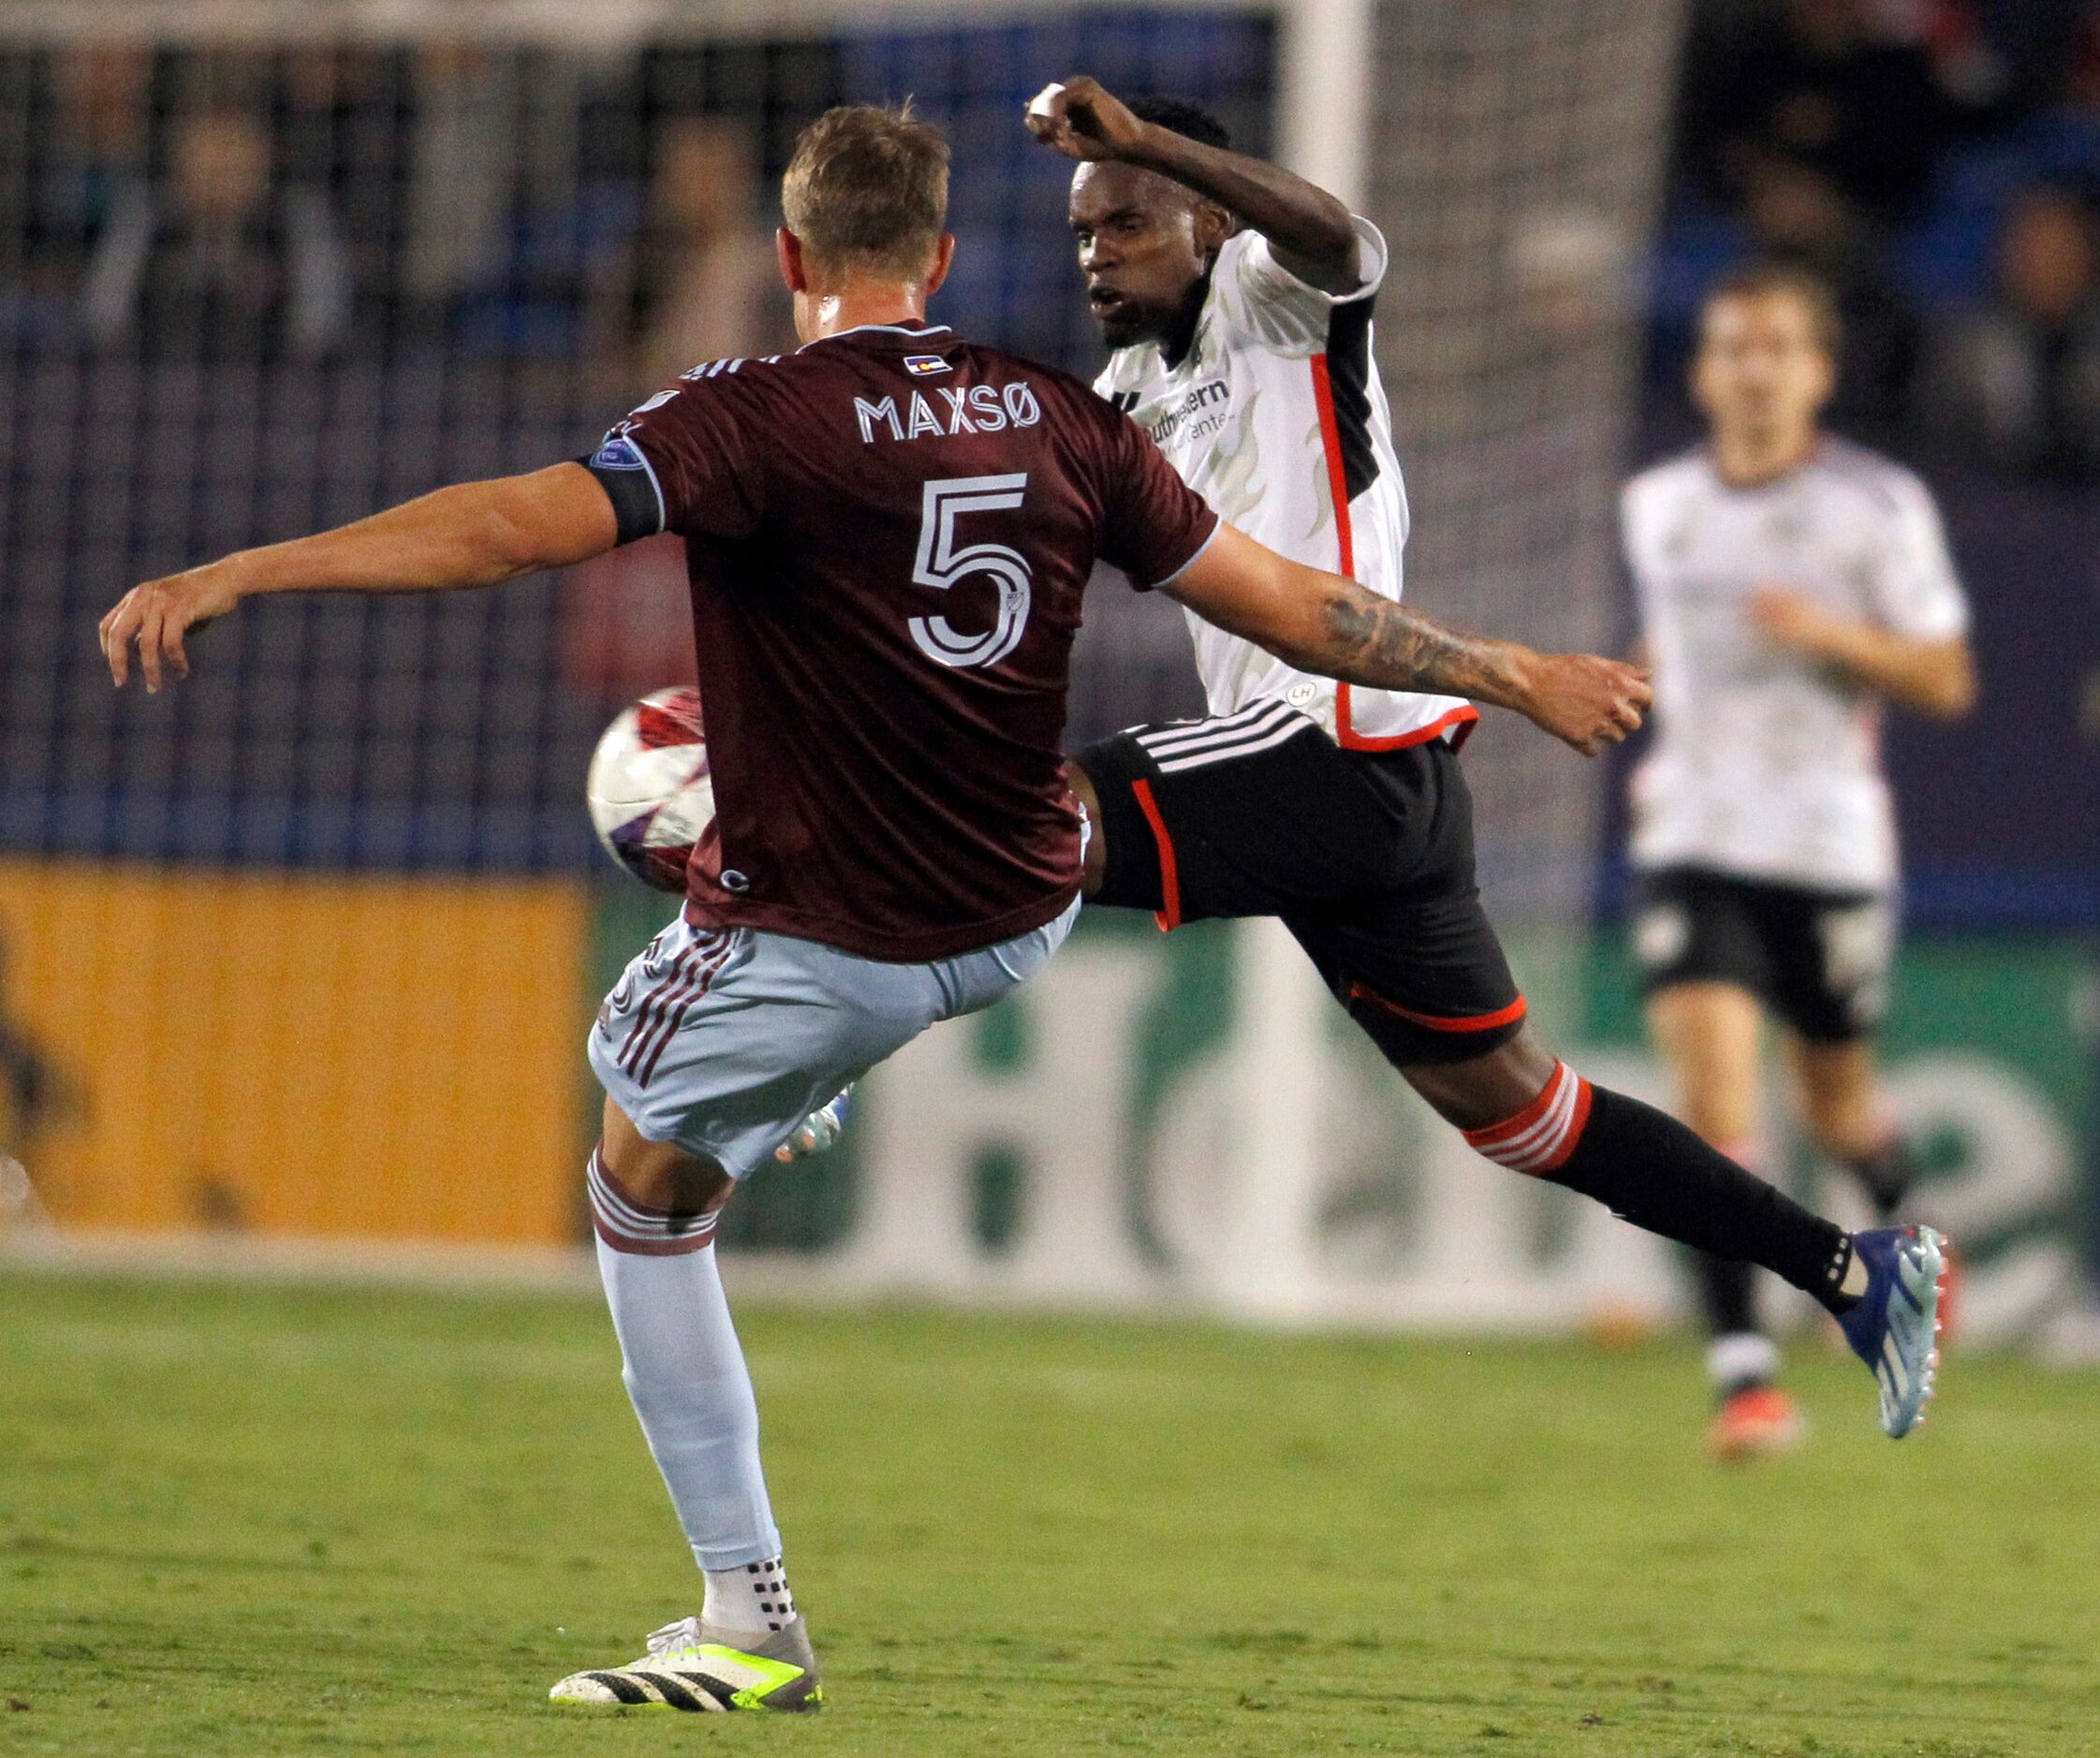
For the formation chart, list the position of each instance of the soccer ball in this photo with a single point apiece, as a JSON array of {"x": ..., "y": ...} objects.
[{"x": 651, "y": 796}]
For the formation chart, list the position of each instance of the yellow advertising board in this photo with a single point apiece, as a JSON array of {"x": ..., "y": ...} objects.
[{"x": 381, "y": 1058}]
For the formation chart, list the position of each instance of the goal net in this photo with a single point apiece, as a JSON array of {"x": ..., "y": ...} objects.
[{"x": 1515, "y": 152}]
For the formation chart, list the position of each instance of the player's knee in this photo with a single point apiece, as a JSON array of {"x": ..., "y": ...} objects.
[
  {"x": 1720, "y": 1116},
  {"x": 1485, "y": 1090},
  {"x": 647, "y": 1187},
  {"x": 1717, "y": 1099},
  {"x": 670, "y": 1180},
  {"x": 659, "y": 1205}
]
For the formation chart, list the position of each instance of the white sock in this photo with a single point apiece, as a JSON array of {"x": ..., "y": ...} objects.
[
  {"x": 1742, "y": 1358},
  {"x": 686, "y": 1376},
  {"x": 751, "y": 1598}
]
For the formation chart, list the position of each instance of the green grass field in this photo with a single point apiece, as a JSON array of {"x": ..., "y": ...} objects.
[{"x": 272, "y": 1521}]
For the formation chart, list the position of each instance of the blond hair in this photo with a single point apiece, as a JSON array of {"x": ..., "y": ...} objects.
[{"x": 867, "y": 191}]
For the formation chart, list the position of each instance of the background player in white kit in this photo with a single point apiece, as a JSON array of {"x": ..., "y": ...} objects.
[
  {"x": 1788, "y": 584},
  {"x": 1236, "y": 298}
]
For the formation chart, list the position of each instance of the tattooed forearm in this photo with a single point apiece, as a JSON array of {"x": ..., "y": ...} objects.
[
  {"x": 1321, "y": 623},
  {"x": 1375, "y": 642}
]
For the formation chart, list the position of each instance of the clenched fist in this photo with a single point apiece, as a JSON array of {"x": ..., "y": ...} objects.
[{"x": 1083, "y": 120}]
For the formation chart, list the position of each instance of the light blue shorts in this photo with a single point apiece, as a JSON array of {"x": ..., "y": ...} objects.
[{"x": 722, "y": 1042}]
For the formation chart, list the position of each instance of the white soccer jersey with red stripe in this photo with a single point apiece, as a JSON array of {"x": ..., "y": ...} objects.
[{"x": 1276, "y": 418}]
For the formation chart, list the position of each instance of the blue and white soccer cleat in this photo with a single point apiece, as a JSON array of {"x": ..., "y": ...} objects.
[{"x": 1893, "y": 1328}]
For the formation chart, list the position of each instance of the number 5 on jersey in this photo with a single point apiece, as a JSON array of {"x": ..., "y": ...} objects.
[{"x": 942, "y": 560}]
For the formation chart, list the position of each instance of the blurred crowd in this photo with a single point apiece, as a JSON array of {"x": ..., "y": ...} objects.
[
  {"x": 303, "y": 204},
  {"x": 1938, "y": 163},
  {"x": 247, "y": 289}
]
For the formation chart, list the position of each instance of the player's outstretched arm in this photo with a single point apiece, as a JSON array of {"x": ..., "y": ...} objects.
[
  {"x": 1311, "y": 231},
  {"x": 476, "y": 534},
  {"x": 1325, "y": 623}
]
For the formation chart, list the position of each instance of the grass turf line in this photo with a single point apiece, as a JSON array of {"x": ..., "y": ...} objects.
[{"x": 272, "y": 1520}]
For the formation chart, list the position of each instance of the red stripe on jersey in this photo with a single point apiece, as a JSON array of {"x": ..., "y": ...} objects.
[
  {"x": 1168, "y": 915},
  {"x": 1346, "y": 734},
  {"x": 1464, "y": 715},
  {"x": 1337, "y": 473},
  {"x": 1344, "y": 533}
]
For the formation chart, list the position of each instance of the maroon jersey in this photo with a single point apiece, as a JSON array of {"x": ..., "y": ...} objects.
[{"x": 888, "y": 533}]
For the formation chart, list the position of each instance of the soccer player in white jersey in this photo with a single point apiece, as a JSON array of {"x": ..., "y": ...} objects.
[
  {"x": 1788, "y": 584},
  {"x": 1237, "y": 299}
]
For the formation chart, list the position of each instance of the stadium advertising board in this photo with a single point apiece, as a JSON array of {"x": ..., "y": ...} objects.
[
  {"x": 1085, "y": 1143},
  {"x": 345, "y": 1057}
]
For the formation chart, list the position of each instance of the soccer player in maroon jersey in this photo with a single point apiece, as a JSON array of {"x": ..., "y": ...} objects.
[{"x": 888, "y": 533}]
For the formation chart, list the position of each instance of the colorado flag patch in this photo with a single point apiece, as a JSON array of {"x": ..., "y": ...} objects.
[{"x": 925, "y": 365}]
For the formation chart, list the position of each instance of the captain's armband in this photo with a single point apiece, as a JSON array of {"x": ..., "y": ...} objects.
[{"x": 623, "y": 471}]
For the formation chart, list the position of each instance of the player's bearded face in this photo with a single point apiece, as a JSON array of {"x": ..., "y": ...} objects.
[
  {"x": 1143, "y": 250},
  {"x": 1761, "y": 365}
]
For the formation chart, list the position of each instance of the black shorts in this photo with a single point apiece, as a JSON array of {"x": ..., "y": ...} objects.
[
  {"x": 1819, "y": 959},
  {"x": 1367, "y": 857}
]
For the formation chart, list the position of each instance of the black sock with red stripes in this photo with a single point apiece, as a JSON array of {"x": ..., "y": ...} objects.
[
  {"x": 1650, "y": 1170},
  {"x": 1655, "y": 1172}
]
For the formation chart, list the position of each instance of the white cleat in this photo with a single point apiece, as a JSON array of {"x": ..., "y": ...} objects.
[{"x": 690, "y": 1668}]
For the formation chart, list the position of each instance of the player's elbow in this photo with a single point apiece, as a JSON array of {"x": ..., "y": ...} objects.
[
  {"x": 1339, "y": 226},
  {"x": 548, "y": 519},
  {"x": 1248, "y": 590},
  {"x": 1954, "y": 700},
  {"x": 1328, "y": 244},
  {"x": 1304, "y": 622}
]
